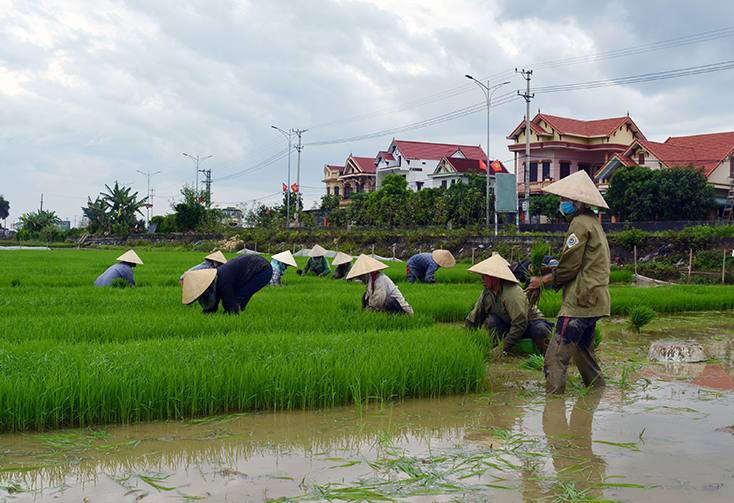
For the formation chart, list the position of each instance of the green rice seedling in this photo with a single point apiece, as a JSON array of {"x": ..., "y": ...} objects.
[
  {"x": 540, "y": 250},
  {"x": 534, "y": 362},
  {"x": 621, "y": 276},
  {"x": 639, "y": 317},
  {"x": 119, "y": 283}
]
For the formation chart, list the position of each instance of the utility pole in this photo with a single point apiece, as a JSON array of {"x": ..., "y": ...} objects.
[
  {"x": 208, "y": 183},
  {"x": 289, "y": 136},
  {"x": 299, "y": 132},
  {"x": 197, "y": 160},
  {"x": 526, "y": 204},
  {"x": 149, "y": 204},
  {"x": 41, "y": 202}
]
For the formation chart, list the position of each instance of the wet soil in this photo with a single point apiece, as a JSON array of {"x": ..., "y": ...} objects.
[{"x": 656, "y": 434}]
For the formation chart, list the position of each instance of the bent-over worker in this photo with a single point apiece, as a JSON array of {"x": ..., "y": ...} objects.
[
  {"x": 423, "y": 266},
  {"x": 317, "y": 263},
  {"x": 381, "y": 293},
  {"x": 234, "y": 283},
  {"x": 280, "y": 263},
  {"x": 583, "y": 274},
  {"x": 342, "y": 265},
  {"x": 122, "y": 270},
  {"x": 211, "y": 261},
  {"x": 504, "y": 307}
]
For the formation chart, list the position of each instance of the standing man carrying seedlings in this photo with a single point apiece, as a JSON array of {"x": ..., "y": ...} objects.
[
  {"x": 317, "y": 264},
  {"x": 122, "y": 270},
  {"x": 211, "y": 261},
  {"x": 234, "y": 283},
  {"x": 280, "y": 263},
  {"x": 423, "y": 266},
  {"x": 583, "y": 274},
  {"x": 381, "y": 293},
  {"x": 505, "y": 308}
]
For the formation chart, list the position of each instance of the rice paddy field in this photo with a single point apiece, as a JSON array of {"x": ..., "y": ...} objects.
[{"x": 75, "y": 355}]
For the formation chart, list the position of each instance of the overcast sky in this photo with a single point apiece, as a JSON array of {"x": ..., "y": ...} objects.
[{"x": 97, "y": 92}]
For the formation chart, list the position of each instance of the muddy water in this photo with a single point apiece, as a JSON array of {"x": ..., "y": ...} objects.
[{"x": 656, "y": 434}]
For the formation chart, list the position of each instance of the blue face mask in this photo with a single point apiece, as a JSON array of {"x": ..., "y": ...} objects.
[{"x": 567, "y": 207}]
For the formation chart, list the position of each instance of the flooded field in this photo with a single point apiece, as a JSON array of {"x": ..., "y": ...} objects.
[{"x": 656, "y": 434}]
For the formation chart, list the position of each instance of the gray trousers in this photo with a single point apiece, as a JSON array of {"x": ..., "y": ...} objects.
[{"x": 572, "y": 338}]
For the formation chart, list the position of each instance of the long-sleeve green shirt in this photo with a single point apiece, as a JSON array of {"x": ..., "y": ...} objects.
[
  {"x": 510, "y": 304},
  {"x": 320, "y": 268},
  {"x": 583, "y": 269}
]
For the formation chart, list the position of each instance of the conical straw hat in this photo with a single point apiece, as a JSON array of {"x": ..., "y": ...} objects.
[
  {"x": 130, "y": 256},
  {"x": 444, "y": 258},
  {"x": 286, "y": 257},
  {"x": 494, "y": 266},
  {"x": 577, "y": 187},
  {"x": 365, "y": 265},
  {"x": 217, "y": 256},
  {"x": 341, "y": 258},
  {"x": 317, "y": 251},
  {"x": 195, "y": 283}
]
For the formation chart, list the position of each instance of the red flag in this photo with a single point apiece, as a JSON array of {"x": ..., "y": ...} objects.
[
  {"x": 482, "y": 165},
  {"x": 285, "y": 188},
  {"x": 294, "y": 187},
  {"x": 496, "y": 166}
]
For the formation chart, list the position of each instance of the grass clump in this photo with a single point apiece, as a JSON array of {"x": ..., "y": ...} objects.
[
  {"x": 120, "y": 283},
  {"x": 534, "y": 362},
  {"x": 639, "y": 317}
]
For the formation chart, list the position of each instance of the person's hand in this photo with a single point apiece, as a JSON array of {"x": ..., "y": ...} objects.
[
  {"x": 536, "y": 283},
  {"x": 496, "y": 353}
]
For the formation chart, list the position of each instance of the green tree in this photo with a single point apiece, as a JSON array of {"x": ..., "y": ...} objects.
[
  {"x": 4, "y": 208},
  {"x": 97, "y": 214},
  {"x": 682, "y": 194},
  {"x": 388, "y": 206},
  {"x": 190, "y": 212},
  {"x": 468, "y": 201},
  {"x": 122, "y": 207},
  {"x": 545, "y": 204},
  {"x": 628, "y": 193}
]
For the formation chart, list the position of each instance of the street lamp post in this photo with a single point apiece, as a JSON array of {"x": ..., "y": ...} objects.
[
  {"x": 488, "y": 92},
  {"x": 197, "y": 160},
  {"x": 289, "y": 136}
]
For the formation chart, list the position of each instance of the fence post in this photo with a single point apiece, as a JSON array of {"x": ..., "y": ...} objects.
[
  {"x": 690, "y": 263},
  {"x": 723, "y": 267},
  {"x": 635, "y": 262}
]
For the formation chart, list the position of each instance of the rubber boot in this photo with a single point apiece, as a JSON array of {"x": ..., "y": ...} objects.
[{"x": 585, "y": 359}]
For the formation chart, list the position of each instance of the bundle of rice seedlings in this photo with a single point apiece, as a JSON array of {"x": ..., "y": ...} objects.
[
  {"x": 535, "y": 362},
  {"x": 540, "y": 250},
  {"x": 639, "y": 317}
]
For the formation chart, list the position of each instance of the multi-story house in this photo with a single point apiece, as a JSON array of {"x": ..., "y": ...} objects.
[
  {"x": 561, "y": 146},
  {"x": 712, "y": 152},
  {"x": 416, "y": 160},
  {"x": 454, "y": 169}
]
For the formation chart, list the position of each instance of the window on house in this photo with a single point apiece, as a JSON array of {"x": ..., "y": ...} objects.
[
  {"x": 546, "y": 170},
  {"x": 328, "y": 191},
  {"x": 336, "y": 190},
  {"x": 585, "y": 167},
  {"x": 640, "y": 159},
  {"x": 533, "y": 171},
  {"x": 347, "y": 190},
  {"x": 419, "y": 185},
  {"x": 443, "y": 183},
  {"x": 565, "y": 169}
]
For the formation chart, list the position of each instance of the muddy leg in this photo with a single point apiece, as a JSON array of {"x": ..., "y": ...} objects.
[
  {"x": 585, "y": 359},
  {"x": 557, "y": 358}
]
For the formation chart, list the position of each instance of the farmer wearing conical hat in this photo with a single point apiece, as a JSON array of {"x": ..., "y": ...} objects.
[
  {"x": 423, "y": 266},
  {"x": 122, "y": 270},
  {"x": 583, "y": 274},
  {"x": 211, "y": 261},
  {"x": 317, "y": 264},
  {"x": 503, "y": 308},
  {"x": 280, "y": 263},
  {"x": 342, "y": 265},
  {"x": 234, "y": 283},
  {"x": 381, "y": 293}
]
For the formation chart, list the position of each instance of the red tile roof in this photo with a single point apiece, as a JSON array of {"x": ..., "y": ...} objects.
[
  {"x": 436, "y": 151},
  {"x": 574, "y": 127},
  {"x": 707, "y": 150},
  {"x": 462, "y": 165},
  {"x": 366, "y": 164},
  {"x": 386, "y": 156}
]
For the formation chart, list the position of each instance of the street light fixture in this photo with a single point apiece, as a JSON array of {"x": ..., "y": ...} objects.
[
  {"x": 197, "y": 160},
  {"x": 289, "y": 136},
  {"x": 488, "y": 92}
]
